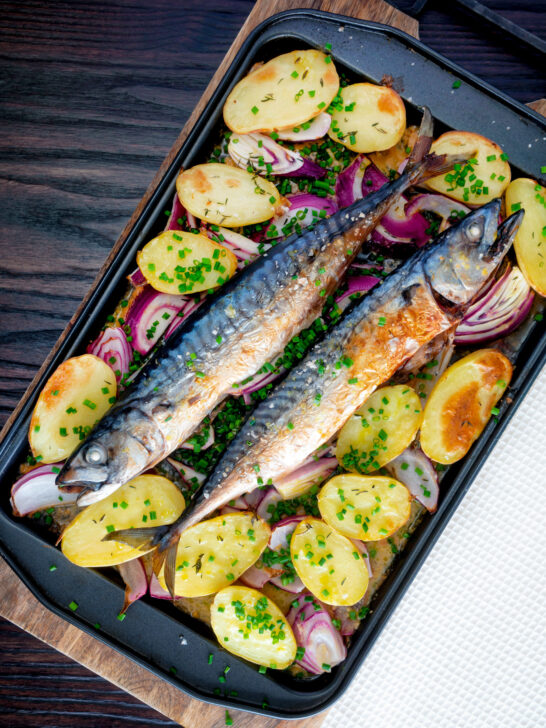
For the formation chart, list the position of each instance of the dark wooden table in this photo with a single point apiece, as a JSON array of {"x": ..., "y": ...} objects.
[{"x": 93, "y": 96}]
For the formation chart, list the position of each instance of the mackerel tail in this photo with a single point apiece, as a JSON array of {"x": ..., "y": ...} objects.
[
  {"x": 229, "y": 338},
  {"x": 426, "y": 296}
]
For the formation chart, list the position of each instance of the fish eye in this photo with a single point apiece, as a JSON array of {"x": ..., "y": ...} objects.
[
  {"x": 95, "y": 455},
  {"x": 474, "y": 232}
]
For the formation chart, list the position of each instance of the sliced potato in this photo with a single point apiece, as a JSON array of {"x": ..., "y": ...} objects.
[
  {"x": 368, "y": 507},
  {"x": 250, "y": 625},
  {"x": 148, "y": 499},
  {"x": 373, "y": 118},
  {"x": 74, "y": 398},
  {"x": 181, "y": 262},
  {"x": 475, "y": 183},
  {"x": 226, "y": 195},
  {"x": 329, "y": 565},
  {"x": 460, "y": 404},
  {"x": 214, "y": 553},
  {"x": 380, "y": 430},
  {"x": 530, "y": 241},
  {"x": 284, "y": 92}
]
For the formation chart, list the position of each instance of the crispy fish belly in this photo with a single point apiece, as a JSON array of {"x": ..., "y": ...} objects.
[{"x": 229, "y": 338}]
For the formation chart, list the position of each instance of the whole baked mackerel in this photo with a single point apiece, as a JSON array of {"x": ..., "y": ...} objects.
[
  {"x": 234, "y": 333},
  {"x": 423, "y": 298}
]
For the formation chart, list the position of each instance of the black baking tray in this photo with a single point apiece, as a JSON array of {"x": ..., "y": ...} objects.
[{"x": 155, "y": 634}]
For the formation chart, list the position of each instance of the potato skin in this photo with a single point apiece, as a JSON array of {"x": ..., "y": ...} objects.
[
  {"x": 262, "y": 649},
  {"x": 460, "y": 404},
  {"x": 530, "y": 240},
  {"x": 77, "y": 386},
  {"x": 286, "y": 91},
  {"x": 494, "y": 172},
  {"x": 372, "y": 119},
  {"x": 226, "y": 195}
]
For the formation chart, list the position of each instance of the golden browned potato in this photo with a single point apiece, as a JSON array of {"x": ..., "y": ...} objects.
[
  {"x": 148, "y": 500},
  {"x": 329, "y": 565},
  {"x": 182, "y": 262},
  {"x": 284, "y": 92},
  {"x": 373, "y": 118},
  {"x": 226, "y": 195},
  {"x": 74, "y": 398},
  {"x": 530, "y": 241},
  {"x": 460, "y": 404},
  {"x": 368, "y": 507},
  {"x": 380, "y": 430},
  {"x": 475, "y": 183},
  {"x": 214, "y": 553},
  {"x": 250, "y": 625}
]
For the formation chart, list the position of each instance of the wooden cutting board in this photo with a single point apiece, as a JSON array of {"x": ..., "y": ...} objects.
[{"x": 17, "y": 604}]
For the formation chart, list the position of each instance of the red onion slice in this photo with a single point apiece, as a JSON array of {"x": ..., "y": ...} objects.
[
  {"x": 349, "y": 182},
  {"x": 312, "y": 472},
  {"x": 136, "y": 278},
  {"x": 263, "y": 154},
  {"x": 281, "y": 533},
  {"x": 188, "y": 445},
  {"x": 186, "y": 473},
  {"x": 178, "y": 211},
  {"x": 150, "y": 314},
  {"x": 363, "y": 550},
  {"x": 254, "y": 498},
  {"x": 314, "y": 129},
  {"x": 191, "y": 306},
  {"x": 156, "y": 590},
  {"x": 37, "y": 490},
  {"x": 417, "y": 472},
  {"x": 270, "y": 498},
  {"x": 257, "y": 578},
  {"x": 356, "y": 284},
  {"x": 133, "y": 574},
  {"x": 113, "y": 348},
  {"x": 499, "y": 311},
  {"x": 305, "y": 209},
  {"x": 323, "y": 644}
]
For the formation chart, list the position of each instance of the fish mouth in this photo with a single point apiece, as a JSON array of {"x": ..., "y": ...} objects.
[{"x": 506, "y": 233}]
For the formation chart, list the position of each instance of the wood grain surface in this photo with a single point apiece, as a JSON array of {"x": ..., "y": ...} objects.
[{"x": 93, "y": 96}]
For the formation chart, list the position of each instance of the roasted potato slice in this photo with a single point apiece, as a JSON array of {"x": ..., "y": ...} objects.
[
  {"x": 149, "y": 500},
  {"x": 461, "y": 403},
  {"x": 368, "y": 507},
  {"x": 284, "y": 92},
  {"x": 214, "y": 553},
  {"x": 74, "y": 398},
  {"x": 530, "y": 241},
  {"x": 372, "y": 118},
  {"x": 248, "y": 624},
  {"x": 475, "y": 183},
  {"x": 329, "y": 565},
  {"x": 182, "y": 262},
  {"x": 380, "y": 430},
  {"x": 224, "y": 195}
]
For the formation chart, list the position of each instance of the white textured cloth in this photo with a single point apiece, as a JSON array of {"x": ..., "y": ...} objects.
[{"x": 466, "y": 646}]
